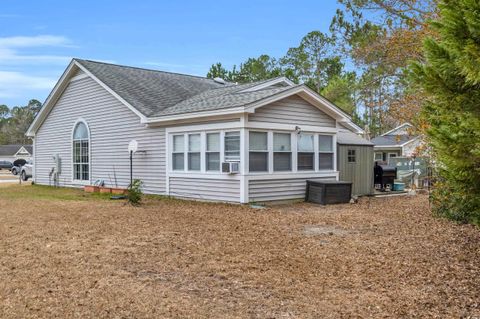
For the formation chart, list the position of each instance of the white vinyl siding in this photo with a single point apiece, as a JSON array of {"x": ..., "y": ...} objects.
[
  {"x": 292, "y": 110},
  {"x": 112, "y": 126},
  {"x": 226, "y": 190},
  {"x": 280, "y": 189}
]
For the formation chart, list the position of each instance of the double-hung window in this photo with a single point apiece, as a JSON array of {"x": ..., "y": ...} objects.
[
  {"x": 178, "y": 153},
  {"x": 212, "y": 154},
  {"x": 194, "y": 149},
  {"x": 258, "y": 152},
  {"x": 282, "y": 152},
  {"x": 305, "y": 152},
  {"x": 325, "y": 152},
  {"x": 232, "y": 146}
]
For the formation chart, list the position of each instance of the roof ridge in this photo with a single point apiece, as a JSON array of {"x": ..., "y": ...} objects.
[{"x": 144, "y": 69}]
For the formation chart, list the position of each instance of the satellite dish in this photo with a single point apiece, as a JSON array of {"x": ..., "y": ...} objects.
[{"x": 132, "y": 146}]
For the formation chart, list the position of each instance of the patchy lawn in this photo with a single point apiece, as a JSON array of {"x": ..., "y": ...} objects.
[{"x": 70, "y": 255}]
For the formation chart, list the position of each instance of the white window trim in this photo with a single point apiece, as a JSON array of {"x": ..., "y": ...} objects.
[
  {"x": 223, "y": 143},
  {"x": 170, "y": 153},
  {"x": 334, "y": 157},
  {"x": 79, "y": 181},
  {"x": 201, "y": 151},
  {"x": 268, "y": 151},
  {"x": 354, "y": 156},
  {"x": 273, "y": 152},
  {"x": 315, "y": 153},
  {"x": 204, "y": 154}
]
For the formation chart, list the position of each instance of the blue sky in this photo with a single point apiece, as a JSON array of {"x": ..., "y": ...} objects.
[{"x": 38, "y": 38}]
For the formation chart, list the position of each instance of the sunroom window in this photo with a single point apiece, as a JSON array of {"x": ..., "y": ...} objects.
[
  {"x": 325, "y": 152},
  {"x": 194, "y": 149},
  {"x": 81, "y": 158},
  {"x": 213, "y": 152},
  {"x": 232, "y": 146},
  {"x": 282, "y": 152},
  {"x": 306, "y": 152},
  {"x": 258, "y": 152},
  {"x": 178, "y": 157}
]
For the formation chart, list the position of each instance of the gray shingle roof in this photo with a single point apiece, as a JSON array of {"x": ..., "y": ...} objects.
[
  {"x": 10, "y": 150},
  {"x": 391, "y": 140},
  {"x": 348, "y": 138},
  {"x": 157, "y": 93},
  {"x": 220, "y": 99},
  {"x": 149, "y": 91}
]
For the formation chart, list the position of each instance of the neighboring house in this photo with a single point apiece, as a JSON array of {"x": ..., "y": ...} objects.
[
  {"x": 271, "y": 135},
  {"x": 397, "y": 142},
  {"x": 13, "y": 152}
]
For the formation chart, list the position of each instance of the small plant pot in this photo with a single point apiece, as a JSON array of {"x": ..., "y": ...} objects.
[
  {"x": 91, "y": 189},
  {"x": 119, "y": 191},
  {"x": 105, "y": 190}
]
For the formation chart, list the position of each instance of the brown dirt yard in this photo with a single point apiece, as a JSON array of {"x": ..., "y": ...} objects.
[{"x": 64, "y": 254}]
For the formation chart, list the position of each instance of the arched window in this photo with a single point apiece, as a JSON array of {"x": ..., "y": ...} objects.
[{"x": 81, "y": 156}]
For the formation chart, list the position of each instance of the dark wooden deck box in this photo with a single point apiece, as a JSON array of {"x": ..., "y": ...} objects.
[{"x": 328, "y": 192}]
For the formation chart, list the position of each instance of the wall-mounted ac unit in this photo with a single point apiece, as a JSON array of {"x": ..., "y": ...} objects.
[{"x": 231, "y": 167}]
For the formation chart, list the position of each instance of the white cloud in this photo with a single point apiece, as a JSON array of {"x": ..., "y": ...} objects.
[
  {"x": 35, "y": 41},
  {"x": 14, "y": 84},
  {"x": 9, "y": 49}
]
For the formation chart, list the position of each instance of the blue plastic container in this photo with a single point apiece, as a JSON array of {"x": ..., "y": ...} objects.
[{"x": 397, "y": 186}]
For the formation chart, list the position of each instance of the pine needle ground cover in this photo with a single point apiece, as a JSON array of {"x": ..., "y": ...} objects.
[{"x": 66, "y": 255}]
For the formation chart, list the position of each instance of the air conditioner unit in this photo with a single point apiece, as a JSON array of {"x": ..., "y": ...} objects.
[{"x": 231, "y": 167}]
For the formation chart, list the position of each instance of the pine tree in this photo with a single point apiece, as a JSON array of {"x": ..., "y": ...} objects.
[{"x": 450, "y": 76}]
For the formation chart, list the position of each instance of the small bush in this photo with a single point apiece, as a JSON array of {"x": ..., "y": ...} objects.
[{"x": 135, "y": 192}]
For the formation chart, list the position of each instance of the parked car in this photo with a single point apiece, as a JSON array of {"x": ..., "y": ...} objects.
[
  {"x": 26, "y": 171},
  {"x": 5, "y": 165},
  {"x": 17, "y": 164}
]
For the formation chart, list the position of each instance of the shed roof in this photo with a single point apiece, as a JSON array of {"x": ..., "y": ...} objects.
[{"x": 349, "y": 138}]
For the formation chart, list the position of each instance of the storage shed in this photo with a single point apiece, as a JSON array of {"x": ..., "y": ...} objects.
[{"x": 355, "y": 162}]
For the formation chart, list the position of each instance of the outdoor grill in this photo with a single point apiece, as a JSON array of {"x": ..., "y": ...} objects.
[{"x": 384, "y": 176}]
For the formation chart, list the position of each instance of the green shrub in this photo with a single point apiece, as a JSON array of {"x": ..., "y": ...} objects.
[
  {"x": 135, "y": 192},
  {"x": 450, "y": 78}
]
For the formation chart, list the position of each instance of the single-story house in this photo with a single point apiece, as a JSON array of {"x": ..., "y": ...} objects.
[
  {"x": 197, "y": 138},
  {"x": 13, "y": 152},
  {"x": 398, "y": 142}
]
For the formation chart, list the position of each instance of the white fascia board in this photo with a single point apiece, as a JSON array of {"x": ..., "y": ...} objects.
[
  {"x": 268, "y": 84},
  {"x": 397, "y": 128},
  {"x": 48, "y": 104},
  {"x": 249, "y": 125},
  {"x": 107, "y": 88},
  {"x": 193, "y": 115}
]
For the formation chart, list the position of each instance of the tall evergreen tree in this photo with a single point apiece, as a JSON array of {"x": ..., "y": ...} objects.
[{"x": 450, "y": 76}]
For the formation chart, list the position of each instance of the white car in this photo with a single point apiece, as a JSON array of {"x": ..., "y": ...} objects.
[{"x": 26, "y": 171}]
